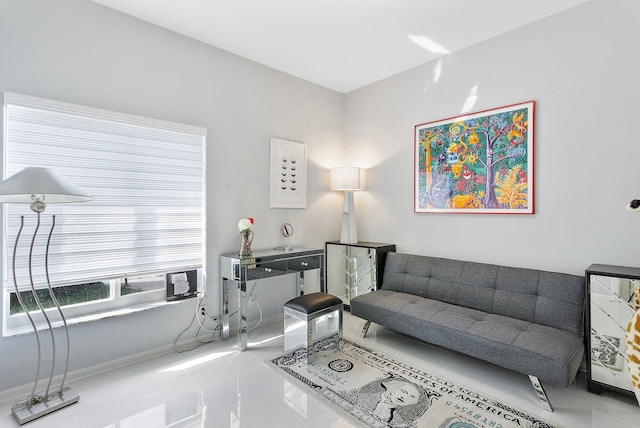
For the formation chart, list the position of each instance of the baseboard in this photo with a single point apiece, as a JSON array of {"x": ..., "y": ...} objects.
[{"x": 19, "y": 392}]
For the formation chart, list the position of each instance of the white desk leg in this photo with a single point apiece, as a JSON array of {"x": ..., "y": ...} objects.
[
  {"x": 300, "y": 283},
  {"x": 225, "y": 308},
  {"x": 242, "y": 315}
]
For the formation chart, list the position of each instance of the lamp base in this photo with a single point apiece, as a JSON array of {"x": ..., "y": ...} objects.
[
  {"x": 24, "y": 414},
  {"x": 349, "y": 233}
]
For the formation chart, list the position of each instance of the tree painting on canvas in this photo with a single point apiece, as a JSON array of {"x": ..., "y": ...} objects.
[{"x": 477, "y": 163}]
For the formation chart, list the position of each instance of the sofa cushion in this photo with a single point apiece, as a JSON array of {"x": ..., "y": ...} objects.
[
  {"x": 547, "y": 298},
  {"x": 561, "y": 301},
  {"x": 551, "y": 354},
  {"x": 479, "y": 291}
]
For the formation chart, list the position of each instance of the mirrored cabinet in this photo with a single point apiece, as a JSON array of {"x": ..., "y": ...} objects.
[
  {"x": 354, "y": 269},
  {"x": 610, "y": 292}
]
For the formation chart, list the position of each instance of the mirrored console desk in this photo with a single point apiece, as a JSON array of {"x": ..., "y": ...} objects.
[
  {"x": 263, "y": 264},
  {"x": 609, "y": 308}
]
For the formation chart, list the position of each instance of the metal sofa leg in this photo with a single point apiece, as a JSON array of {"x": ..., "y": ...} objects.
[
  {"x": 365, "y": 328},
  {"x": 542, "y": 395}
]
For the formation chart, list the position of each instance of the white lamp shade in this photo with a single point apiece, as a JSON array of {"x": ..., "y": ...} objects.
[
  {"x": 347, "y": 178},
  {"x": 21, "y": 188}
]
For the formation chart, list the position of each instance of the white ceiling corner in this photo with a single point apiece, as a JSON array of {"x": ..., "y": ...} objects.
[{"x": 341, "y": 44}]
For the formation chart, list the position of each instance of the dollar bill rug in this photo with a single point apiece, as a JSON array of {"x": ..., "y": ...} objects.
[{"x": 374, "y": 390}]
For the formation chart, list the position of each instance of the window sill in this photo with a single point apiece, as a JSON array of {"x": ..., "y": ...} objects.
[{"x": 18, "y": 331}]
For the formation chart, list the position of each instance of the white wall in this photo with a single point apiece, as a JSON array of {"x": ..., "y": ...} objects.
[
  {"x": 80, "y": 52},
  {"x": 580, "y": 67},
  {"x": 582, "y": 70}
]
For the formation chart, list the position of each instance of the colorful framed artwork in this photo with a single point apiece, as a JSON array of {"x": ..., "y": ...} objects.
[
  {"x": 476, "y": 163},
  {"x": 288, "y": 174}
]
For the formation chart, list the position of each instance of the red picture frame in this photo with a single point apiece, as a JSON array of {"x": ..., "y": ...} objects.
[{"x": 476, "y": 163}]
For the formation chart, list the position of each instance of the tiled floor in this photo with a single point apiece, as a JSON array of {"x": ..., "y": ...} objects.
[{"x": 217, "y": 386}]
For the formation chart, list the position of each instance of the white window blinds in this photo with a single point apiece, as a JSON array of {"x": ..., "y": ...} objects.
[{"x": 147, "y": 180}]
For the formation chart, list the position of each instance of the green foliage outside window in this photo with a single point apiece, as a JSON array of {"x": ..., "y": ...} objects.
[
  {"x": 75, "y": 294},
  {"x": 69, "y": 295}
]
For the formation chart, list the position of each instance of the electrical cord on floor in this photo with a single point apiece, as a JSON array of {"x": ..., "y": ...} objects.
[
  {"x": 181, "y": 333},
  {"x": 199, "y": 342},
  {"x": 259, "y": 320},
  {"x": 217, "y": 328},
  {"x": 200, "y": 327},
  {"x": 255, "y": 282},
  {"x": 206, "y": 315}
]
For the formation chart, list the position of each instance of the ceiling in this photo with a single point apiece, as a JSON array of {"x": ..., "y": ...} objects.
[{"x": 341, "y": 44}]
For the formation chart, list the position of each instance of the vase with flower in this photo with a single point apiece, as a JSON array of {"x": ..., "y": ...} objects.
[{"x": 245, "y": 227}]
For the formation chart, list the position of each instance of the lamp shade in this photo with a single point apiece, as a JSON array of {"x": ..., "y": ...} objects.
[
  {"x": 347, "y": 178},
  {"x": 39, "y": 183}
]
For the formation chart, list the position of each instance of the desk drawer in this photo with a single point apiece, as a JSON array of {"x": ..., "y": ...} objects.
[
  {"x": 259, "y": 270},
  {"x": 264, "y": 271},
  {"x": 303, "y": 263}
]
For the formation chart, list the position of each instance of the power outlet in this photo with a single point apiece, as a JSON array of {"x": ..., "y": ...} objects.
[
  {"x": 252, "y": 300},
  {"x": 202, "y": 310}
]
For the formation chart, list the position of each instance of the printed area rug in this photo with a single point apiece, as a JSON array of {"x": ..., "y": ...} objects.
[{"x": 379, "y": 391}]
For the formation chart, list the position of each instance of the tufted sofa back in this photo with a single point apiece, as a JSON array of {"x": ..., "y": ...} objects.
[{"x": 547, "y": 298}]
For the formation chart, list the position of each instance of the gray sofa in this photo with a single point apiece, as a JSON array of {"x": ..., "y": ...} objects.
[{"x": 526, "y": 320}]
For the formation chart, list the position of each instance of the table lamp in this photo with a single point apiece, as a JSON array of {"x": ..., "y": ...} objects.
[{"x": 348, "y": 179}]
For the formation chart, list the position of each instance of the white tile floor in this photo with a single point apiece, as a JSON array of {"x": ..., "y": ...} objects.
[{"x": 217, "y": 386}]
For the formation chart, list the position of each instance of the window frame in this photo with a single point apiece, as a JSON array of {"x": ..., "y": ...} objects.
[{"x": 116, "y": 303}]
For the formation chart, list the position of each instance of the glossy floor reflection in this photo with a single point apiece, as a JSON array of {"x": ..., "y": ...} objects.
[{"x": 216, "y": 386}]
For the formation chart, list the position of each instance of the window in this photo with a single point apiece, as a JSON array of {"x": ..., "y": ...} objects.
[{"x": 147, "y": 217}]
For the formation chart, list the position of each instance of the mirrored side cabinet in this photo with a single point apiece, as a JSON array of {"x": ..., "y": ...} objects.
[
  {"x": 610, "y": 291},
  {"x": 354, "y": 269}
]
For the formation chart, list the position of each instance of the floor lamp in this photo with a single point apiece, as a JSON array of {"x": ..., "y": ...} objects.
[
  {"x": 348, "y": 179},
  {"x": 39, "y": 187}
]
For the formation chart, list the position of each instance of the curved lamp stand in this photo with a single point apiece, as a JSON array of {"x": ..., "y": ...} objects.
[
  {"x": 36, "y": 406},
  {"x": 37, "y": 186}
]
